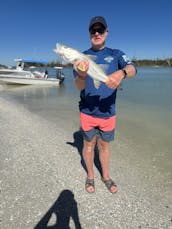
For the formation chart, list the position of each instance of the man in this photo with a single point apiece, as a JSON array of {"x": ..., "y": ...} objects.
[{"x": 97, "y": 105}]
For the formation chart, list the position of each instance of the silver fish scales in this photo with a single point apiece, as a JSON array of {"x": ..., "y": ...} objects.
[{"x": 71, "y": 55}]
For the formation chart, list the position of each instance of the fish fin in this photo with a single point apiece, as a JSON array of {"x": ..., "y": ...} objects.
[{"x": 96, "y": 83}]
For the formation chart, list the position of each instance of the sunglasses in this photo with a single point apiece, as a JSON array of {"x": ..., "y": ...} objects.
[{"x": 100, "y": 30}]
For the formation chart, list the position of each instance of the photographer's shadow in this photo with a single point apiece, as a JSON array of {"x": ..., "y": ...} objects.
[
  {"x": 64, "y": 208},
  {"x": 78, "y": 143}
]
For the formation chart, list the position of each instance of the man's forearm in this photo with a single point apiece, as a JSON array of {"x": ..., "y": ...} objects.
[
  {"x": 80, "y": 83},
  {"x": 130, "y": 71}
]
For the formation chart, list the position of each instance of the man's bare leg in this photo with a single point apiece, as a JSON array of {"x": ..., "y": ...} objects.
[
  {"x": 104, "y": 156},
  {"x": 88, "y": 155}
]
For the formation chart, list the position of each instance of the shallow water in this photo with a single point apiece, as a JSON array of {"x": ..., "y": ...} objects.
[{"x": 144, "y": 109}]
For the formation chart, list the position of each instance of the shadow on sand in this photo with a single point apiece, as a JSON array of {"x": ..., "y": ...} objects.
[
  {"x": 78, "y": 143},
  {"x": 64, "y": 209}
]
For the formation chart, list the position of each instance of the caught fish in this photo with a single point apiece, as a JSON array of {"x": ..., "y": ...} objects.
[{"x": 71, "y": 55}]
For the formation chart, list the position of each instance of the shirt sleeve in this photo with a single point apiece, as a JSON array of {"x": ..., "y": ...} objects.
[{"x": 123, "y": 60}]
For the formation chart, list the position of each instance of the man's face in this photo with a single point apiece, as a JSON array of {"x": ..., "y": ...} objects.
[{"x": 98, "y": 35}]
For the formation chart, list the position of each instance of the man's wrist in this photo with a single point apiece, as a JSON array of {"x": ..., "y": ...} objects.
[
  {"x": 81, "y": 77},
  {"x": 124, "y": 73}
]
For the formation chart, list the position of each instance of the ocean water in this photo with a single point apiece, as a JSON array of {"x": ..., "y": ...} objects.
[
  {"x": 146, "y": 101},
  {"x": 144, "y": 109}
]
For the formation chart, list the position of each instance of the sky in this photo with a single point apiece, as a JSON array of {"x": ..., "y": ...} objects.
[{"x": 31, "y": 28}]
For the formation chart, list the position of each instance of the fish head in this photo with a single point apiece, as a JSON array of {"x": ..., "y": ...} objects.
[{"x": 66, "y": 53}]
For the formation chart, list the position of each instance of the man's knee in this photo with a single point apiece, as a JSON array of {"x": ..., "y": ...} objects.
[
  {"x": 89, "y": 146},
  {"x": 102, "y": 145}
]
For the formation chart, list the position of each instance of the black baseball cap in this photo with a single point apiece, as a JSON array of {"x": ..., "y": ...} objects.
[{"x": 98, "y": 19}]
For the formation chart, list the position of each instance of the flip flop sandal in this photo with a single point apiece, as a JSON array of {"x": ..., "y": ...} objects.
[
  {"x": 109, "y": 184},
  {"x": 89, "y": 183}
]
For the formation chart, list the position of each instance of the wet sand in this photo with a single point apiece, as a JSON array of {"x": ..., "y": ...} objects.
[{"x": 42, "y": 178}]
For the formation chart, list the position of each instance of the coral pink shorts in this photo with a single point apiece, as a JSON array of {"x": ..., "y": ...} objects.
[{"x": 101, "y": 127}]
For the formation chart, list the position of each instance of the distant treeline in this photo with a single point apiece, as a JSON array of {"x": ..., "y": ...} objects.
[
  {"x": 157, "y": 62},
  {"x": 137, "y": 62},
  {"x": 144, "y": 62}
]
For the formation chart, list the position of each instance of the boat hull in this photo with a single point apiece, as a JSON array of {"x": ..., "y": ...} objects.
[{"x": 28, "y": 81}]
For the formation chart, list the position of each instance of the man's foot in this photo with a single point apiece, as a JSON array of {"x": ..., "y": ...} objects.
[
  {"x": 110, "y": 184},
  {"x": 89, "y": 185}
]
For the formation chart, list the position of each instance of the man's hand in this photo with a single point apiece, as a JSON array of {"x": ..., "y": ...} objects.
[
  {"x": 81, "y": 67},
  {"x": 114, "y": 79}
]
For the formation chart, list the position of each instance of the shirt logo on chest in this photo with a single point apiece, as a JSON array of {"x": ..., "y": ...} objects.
[{"x": 108, "y": 59}]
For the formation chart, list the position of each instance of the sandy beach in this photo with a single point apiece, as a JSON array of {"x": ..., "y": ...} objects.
[{"x": 42, "y": 178}]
